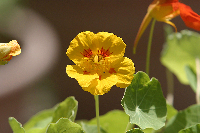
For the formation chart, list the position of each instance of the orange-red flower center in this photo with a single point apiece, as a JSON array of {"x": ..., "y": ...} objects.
[{"x": 97, "y": 62}]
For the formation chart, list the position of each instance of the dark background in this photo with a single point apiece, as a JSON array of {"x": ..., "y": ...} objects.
[{"x": 67, "y": 18}]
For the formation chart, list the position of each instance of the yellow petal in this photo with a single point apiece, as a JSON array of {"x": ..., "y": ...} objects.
[
  {"x": 86, "y": 41},
  {"x": 76, "y": 72},
  {"x": 100, "y": 87},
  {"x": 16, "y": 50},
  {"x": 111, "y": 42},
  {"x": 81, "y": 42},
  {"x": 124, "y": 72}
]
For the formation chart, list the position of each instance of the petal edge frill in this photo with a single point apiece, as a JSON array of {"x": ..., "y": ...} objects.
[
  {"x": 125, "y": 71},
  {"x": 100, "y": 87}
]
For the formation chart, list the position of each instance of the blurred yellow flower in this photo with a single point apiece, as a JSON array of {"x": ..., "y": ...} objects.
[
  {"x": 7, "y": 50},
  {"x": 99, "y": 62}
]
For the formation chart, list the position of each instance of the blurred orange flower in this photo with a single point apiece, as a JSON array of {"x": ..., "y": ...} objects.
[
  {"x": 164, "y": 11},
  {"x": 7, "y": 50},
  {"x": 99, "y": 62}
]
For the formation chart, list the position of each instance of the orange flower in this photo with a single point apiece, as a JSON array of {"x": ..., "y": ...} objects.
[
  {"x": 7, "y": 50},
  {"x": 164, "y": 11}
]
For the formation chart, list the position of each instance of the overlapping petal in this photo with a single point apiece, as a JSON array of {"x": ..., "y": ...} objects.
[
  {"x": 76, "y": 72},
  {"x": 100, "y": 87},
  {"x": 124, "y": 72},
  {"x": 86, "y": 41}
]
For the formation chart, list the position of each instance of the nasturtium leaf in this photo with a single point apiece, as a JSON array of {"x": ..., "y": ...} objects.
[
  {"x": 114, "y": 121},
  {"x": 191, "y": 76},
  {"x": 64, "y": 125},
  {"x": 180, "y": 50},
  {"x": 192, "y": 129},
  {"x": 91, "y": 128},
  {"x": 16, "y": 126},
  {"x": 189, "y": 42},
  {"x": 144, "y": 102},
  {"x": 135, "y": 131},
  {"x": 37, "y": 130},
  {"x": 171, "y": 111},
  {"x": 40, "y": 120},
  {"x": 184, "y": 119},
  {"x": 66, "y": 109}
]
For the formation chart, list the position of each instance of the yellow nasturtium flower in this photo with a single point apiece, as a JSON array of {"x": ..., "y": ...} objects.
[
  {"x": 99, "y": 62},
  {"x": 7, "y": 50}
]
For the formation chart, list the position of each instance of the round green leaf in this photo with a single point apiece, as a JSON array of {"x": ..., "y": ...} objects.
[
  {"x": 64, "y": 125},
  {"x": 189, "y": 42},
  {"x": 180, "y": 50},
  {"x": 144, "y": 102},
  {"x": 184, "y": 119}
]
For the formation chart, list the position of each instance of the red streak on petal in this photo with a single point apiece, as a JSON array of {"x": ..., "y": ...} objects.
[
  {"x": 87, "y": 53},
  {"x": 86, "y": 72},
  {"x": 105, "y": 53},
  {"x": 112, "y": 70},
  {"x": 100, "y": 77},
  {"x": 191, "y": 19},
  {"x": 5, "y": 58}
]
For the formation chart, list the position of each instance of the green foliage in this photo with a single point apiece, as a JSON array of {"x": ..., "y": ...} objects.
[
  {"x": 143, "y": 101},
  {"x": 171, "y": 111},
  {"x": 40, "y": 122},
  {"x": 64, "y": 125},
  {"x": 184, "y": 119},
  {"x": 192, "y": 129},
  {"x": 16, "y": 126},
  {"x": 113, "y": 122},
  {"x": 91, "y": 128},
  {"x": 135, "y": 131},
  {"x": 192, "y": 78},
  {"x": 67, "y": 109},
  {"x": 181, "y": 50}
]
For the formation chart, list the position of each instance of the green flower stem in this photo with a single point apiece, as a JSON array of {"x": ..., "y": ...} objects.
[
  {"x": 96, "y": 97},
  {"x": 198, "y": 80},
  {"x": 170, "y": 87},
  {"x": 149, "y": 46}
]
